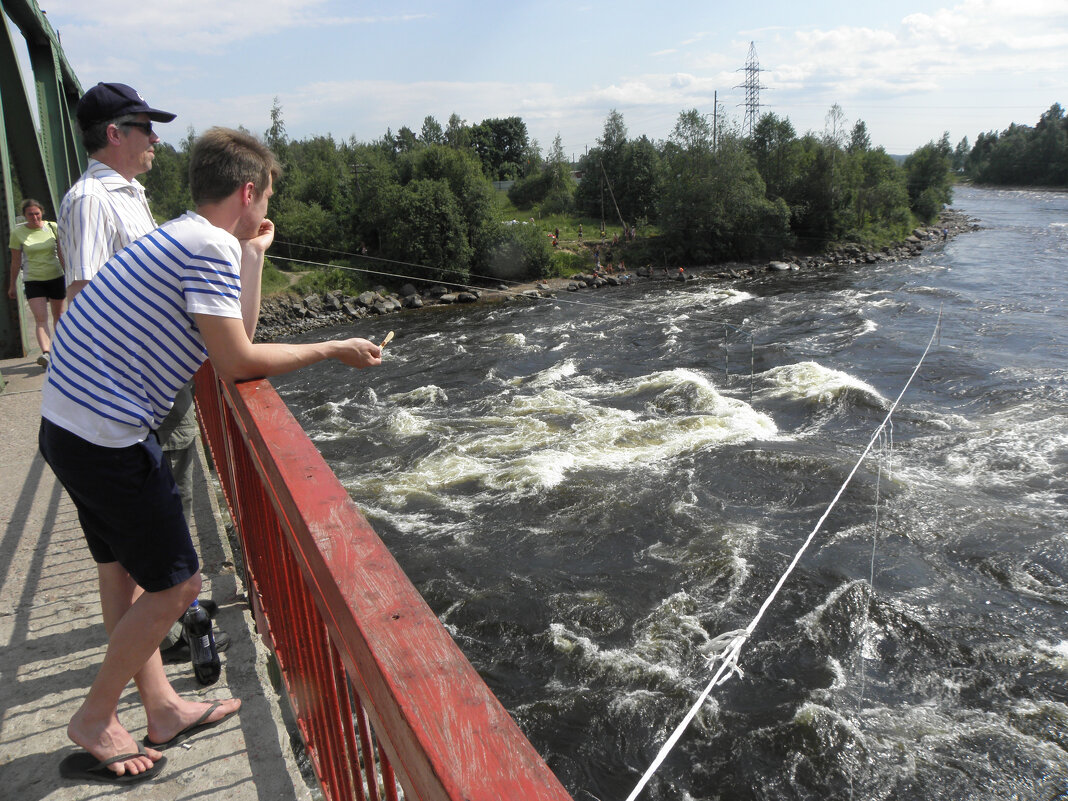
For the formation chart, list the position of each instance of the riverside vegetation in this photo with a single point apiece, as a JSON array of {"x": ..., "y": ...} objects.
[{"x": 422, "y": 208}]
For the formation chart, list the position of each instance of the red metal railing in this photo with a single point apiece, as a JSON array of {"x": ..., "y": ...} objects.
[{"x": 383, "y": 698}]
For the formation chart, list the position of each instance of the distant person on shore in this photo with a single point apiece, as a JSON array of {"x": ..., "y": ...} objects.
[
  {"x": 35, "y": 251},
  {"x": 103, "y": 212},
  {"x": 580, "y": 231},
  {"x": 104, "y": 395}
]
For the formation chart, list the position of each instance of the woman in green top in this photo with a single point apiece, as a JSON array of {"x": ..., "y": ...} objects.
[{"x": 35, "y": 247}]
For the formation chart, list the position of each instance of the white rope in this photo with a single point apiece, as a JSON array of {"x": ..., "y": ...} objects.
[
  {"x": 887, "y": 445},
  {"x": 728, "y": 658}
]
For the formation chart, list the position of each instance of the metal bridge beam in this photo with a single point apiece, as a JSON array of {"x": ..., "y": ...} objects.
[{"x": 39, "y": 162}]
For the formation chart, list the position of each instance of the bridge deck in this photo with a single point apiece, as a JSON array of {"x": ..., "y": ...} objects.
[{"x": 52, "y": 640}]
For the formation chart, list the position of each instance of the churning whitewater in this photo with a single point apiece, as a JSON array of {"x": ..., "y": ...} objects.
[{"x": 589, "y": 489}]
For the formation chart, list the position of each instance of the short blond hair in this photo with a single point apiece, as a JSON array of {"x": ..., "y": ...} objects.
[{"x": 223, "y": 159}]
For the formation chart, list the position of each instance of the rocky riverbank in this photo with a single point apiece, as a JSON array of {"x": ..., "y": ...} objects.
[{"x": 289, "y": 314}]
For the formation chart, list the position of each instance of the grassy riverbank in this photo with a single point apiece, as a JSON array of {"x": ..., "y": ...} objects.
[{"x": 311, "y": 301}]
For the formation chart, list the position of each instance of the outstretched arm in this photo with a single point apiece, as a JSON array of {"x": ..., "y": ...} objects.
[{"x": 236, "y": 358}]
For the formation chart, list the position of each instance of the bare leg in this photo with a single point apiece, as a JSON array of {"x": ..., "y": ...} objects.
[
  {"x": 166, "y": 711},
  {"x": 57, "y": 307},
  {"x": 136, "y": 622},
  {"x": 39, "y": 307}
]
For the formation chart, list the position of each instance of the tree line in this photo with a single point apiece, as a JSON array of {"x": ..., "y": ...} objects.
[
  {"x": 423, "y": 205},
  {"x": 1021, "y": 155}
]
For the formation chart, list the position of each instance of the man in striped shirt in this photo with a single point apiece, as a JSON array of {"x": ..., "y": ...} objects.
[
  {"x": 103, "y": 212},
  {"x": 133, "y": 337}
]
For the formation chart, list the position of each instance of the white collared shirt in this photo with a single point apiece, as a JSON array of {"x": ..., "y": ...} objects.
[{"x": 100, "y": 215}]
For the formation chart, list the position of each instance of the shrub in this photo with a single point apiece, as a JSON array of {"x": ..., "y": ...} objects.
[
  {"x": 558, "y": 201},
  {"x": 928, "y": 204},
  {"x": 326, "y": 280},
  {"x": 520, "y": 252},
  {"x": 565, "y": 264}
]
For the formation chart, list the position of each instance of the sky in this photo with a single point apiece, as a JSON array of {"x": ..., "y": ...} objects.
[{"x": 909, "y": 70}]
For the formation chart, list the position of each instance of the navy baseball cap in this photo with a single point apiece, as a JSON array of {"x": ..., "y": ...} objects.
[{"x": 106, "y": 101}]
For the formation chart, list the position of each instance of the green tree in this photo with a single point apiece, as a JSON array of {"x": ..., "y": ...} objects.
[
  {"x": 812, "y": 203},
  {"x": 311, "y": 199},
  {"x": 881, "y": 201},
  {"x": 405, "y": 141},
  {"x": 1047, "y": 152},
  {"x": 502, "y": 145},
  {"x": 457, "y": 133},
  {"x": 927, "y": 172},
  {"x": 639, "y": 182},
  {"x": 431, "y": 133},
  {"x": 374, "y": 175},
  {"x": 603, "y": 171},
  {"x": 978, "y": 159},
  {"x": 461, "y": 173},
  {"x": 960, "y": 155},
  {"x": 275, "y": 136},
  {"x": 427, "y": 231},
  {"x": 713, "y": 205},
  {"x": 167, "y": 183},
  {"x": 859, "y": 140},
  {"x": 551, "y": 188},
  {"x": 518, "y": 253},
  {"x": 775, "y": 151}
]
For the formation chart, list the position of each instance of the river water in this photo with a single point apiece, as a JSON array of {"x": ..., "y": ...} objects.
[{"x": 587, "y": 490}]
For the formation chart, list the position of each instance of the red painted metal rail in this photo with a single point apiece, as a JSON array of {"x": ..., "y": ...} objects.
[{"x": 384, "y": 699}]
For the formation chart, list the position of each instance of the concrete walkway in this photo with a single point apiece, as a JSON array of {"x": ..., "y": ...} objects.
[{"x": 52, "y": 641}]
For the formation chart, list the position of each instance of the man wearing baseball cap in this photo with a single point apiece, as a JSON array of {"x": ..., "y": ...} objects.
[{"x": 106, "y": 208}]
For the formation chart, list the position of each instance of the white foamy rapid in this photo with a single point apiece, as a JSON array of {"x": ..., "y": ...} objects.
[
  {"x": 816, "y": 384},
  {"x": 552, "y": 428}
]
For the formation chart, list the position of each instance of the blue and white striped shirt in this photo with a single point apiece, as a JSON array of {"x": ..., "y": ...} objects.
[{"x": 129, "y": 341}]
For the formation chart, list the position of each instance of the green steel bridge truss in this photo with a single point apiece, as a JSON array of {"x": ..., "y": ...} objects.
[{"x": 40, "y": 153}]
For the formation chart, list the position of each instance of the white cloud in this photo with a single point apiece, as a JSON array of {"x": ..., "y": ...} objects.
[
  {"x": 213, "y": 64},
  {"x": 205, "y": 25}
]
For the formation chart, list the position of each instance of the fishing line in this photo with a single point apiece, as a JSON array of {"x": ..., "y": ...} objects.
[{"x": 732, "y": 641}]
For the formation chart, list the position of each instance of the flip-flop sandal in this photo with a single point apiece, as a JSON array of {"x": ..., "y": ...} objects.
[
  {"x": 83, "y": 766},
  {"x": 193, "y": 728}
]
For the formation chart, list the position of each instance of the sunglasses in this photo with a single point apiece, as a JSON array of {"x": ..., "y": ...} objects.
[{"x": 146, "y": 127}]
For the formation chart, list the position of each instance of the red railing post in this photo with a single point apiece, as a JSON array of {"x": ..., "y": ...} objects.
[{"x": 368, "y": 667}]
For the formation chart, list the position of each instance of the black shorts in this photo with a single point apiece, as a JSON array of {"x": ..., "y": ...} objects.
[
  {"x": 53, "y": 289},
  {"x": 128, "y": 505}
]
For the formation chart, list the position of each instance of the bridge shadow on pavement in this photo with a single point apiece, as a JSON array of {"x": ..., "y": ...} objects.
[{"x": 52, "y": 641}]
